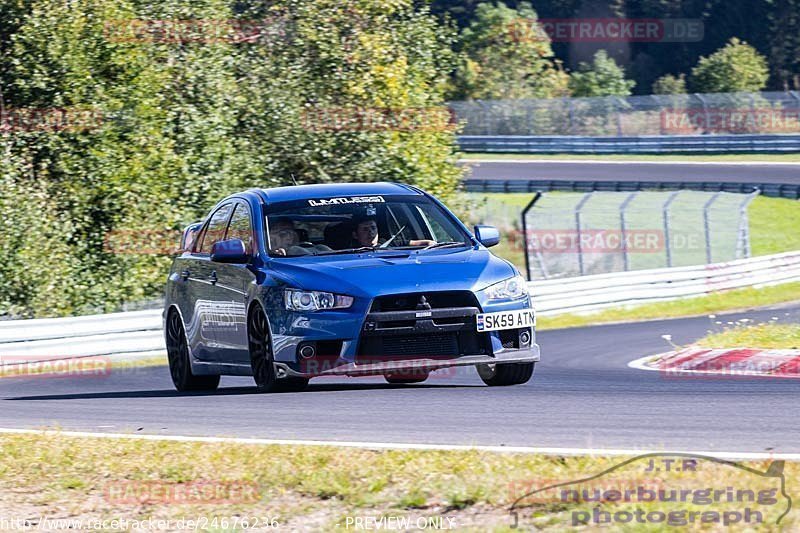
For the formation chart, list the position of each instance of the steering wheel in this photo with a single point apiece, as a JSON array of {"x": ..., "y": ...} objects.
[{"x": 305, "y": 244}]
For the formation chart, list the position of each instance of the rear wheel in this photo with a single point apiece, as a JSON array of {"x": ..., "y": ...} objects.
[
  {"x": 180, "y": 368},
  {"x": 507, "y": 374},
  {"x": 405, "y": 379},
  {"x": 261, "y": 361}
]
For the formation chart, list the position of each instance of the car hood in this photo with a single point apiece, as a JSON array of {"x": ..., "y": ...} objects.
[{"x": 370, "y": 275}]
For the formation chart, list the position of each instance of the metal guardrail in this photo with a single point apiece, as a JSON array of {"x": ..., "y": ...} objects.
[
  {"x": 140, "y": 332},
  {"x": 646, "y": 144},
  {"x": 772, "y": 190},
  {"x": 602, "y": 291}
]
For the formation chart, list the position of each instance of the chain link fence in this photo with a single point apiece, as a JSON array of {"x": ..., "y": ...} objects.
[
  {"x": 685, "y": 114},
  {"x": 567, "y": 235}
]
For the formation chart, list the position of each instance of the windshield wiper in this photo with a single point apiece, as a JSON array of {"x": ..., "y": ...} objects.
[
  {"x": 350, "y": 250},
  {"x": 444, "y": 245},
  {"x": 393, "y": 237}
]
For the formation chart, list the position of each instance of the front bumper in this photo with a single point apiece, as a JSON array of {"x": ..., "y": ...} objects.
[
  {"x": 395, "y": 333},
  {"x": 419, "y": 365}
]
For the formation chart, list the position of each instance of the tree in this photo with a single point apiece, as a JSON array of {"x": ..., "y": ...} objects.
[
  {"x": 601, "y": 78},
  {"x": 187, "y": 122},
  {"x": 737, "y": 67},
  {"x": 505, "y": 55},
  {"x": 784, "y": 34},
  {"x": 669, "y": 84}
]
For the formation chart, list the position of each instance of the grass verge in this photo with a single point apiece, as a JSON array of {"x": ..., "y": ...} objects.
[
  {"x": 722, "y": 158},
  {"x": 323, "y": 488},
  {"x": 92, "y": 365},
  {"x": 765, "y": 335},
  {"x": 735, "y": 300}
]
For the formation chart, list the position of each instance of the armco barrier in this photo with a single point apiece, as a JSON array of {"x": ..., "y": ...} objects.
[
  {"x": 646, "y": 144},
  {"x": 602, "y": 291},
  {"x": 772, "y": 190},
  {"x": 140, "y": 331}
]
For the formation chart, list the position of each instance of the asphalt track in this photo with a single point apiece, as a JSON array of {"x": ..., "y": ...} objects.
[
  {"x": 582, "y": 396},
  {"x": 698, "y": 172}
]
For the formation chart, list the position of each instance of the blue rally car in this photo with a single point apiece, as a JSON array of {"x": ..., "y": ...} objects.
[{"x": 291, "y": 283}]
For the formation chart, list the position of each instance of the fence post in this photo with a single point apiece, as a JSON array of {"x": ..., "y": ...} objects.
[
  {"x": 623, "y": 232},
  {"x": 743, "y": 241},
  {"x": 525, "y": 235},
  {"x": 665, "y": 215},
  {"x": 617, "y": 100},
  {"x": 707, "y": 225},
  {"x": 571, "y": 113},
  {"x": 705, "y": 110},
  {"x": 578, "y": 208}
]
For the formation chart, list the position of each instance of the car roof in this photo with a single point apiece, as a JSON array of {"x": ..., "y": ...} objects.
[{"x": 327, "y": 190}]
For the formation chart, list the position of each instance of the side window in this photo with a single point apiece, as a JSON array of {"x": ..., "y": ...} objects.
[
  {"x": 241, "y": 228},
  {"x": 215, "y": 231}
]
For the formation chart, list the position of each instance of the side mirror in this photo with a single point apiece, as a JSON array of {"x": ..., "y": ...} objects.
[
  {"x": 190, "y": 235},
  {"x": 487, "y": 235},
  {"x": 230, "y": 251}
]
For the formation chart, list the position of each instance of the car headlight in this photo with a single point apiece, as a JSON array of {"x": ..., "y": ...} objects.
[
  {"x": 299, "y": 300},
  {"x": 511, "y": 289}
]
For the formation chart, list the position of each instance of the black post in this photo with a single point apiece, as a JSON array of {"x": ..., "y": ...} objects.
[{"x": 525, "y": 233}]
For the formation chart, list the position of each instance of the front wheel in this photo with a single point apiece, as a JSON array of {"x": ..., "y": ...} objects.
[
  {"x": 180, "y": 369},
  {"x": 261, "y": 361},
  {"x": 507, "y": 374}
]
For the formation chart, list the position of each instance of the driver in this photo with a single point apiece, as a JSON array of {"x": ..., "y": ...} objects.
[{"x": 365, "y": 233}]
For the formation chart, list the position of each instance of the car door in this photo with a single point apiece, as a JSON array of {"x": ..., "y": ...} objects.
[
  {"x": 230, "y": 292},
  {"x": 205, "y": 315}
]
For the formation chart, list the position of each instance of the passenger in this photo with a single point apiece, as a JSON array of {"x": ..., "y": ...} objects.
[
  {"x": 282, "y": 236},
  {"x": 285, "y": 240}
]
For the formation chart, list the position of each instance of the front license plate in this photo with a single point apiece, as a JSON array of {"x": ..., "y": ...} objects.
[{"x": 521, "y": 318}]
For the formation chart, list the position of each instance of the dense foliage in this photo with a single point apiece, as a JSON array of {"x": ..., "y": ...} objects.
[
  {"x": 736, "y": 68},
  {"x": 772, "y": 27},
  {"x": 189, "y": 118}
]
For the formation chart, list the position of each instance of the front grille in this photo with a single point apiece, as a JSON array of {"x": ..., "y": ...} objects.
[
  {"x": 436, "y": 300},
  {"x": 430, "y": 324},
  {"x": 434, "y": 345}
]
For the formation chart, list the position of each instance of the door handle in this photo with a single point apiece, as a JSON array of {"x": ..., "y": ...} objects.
[
  {"x": 214, "y": 278},
  {"x": 185, "y": 275}
]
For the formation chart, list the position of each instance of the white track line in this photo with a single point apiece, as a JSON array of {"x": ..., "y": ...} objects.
[
  {"x": 631, "y": 162},
  {"x": 406, "y": 446}
]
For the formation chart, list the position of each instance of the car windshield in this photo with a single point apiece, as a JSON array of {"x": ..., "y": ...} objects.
[{"x": 329, "y": 226}]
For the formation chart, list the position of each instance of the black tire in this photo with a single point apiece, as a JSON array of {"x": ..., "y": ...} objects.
[
  {"x": 507, "y": 374},
  {"x": 180, "y": 369},
  {"x": 261, "y": 361},
  {"x": 405, "y": 379}
]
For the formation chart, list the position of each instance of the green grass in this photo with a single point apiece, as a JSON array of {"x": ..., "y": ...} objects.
[
  {"x": 722, "y": 158},
  {"x": 766, "y": 335},
  {"x": 740, "y": 299},
  {"x": 316, "y": 488},
  {"x": 774, "y": 223},
  {"x": 88, "y": 365}
]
